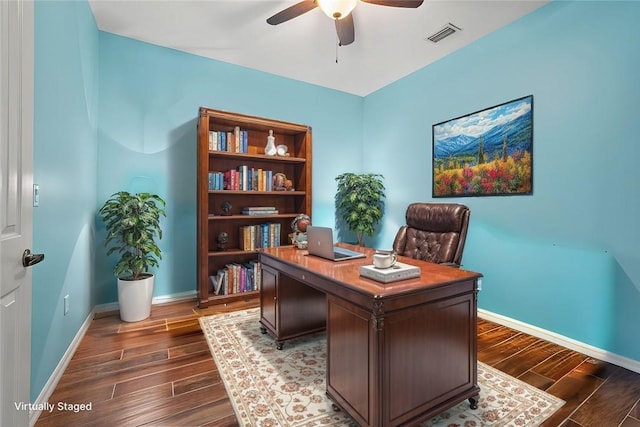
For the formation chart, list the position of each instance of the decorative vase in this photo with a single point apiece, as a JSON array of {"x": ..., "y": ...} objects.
[
  {"x": 270, "y": 149},
  {"x": 134, "y": 298}
]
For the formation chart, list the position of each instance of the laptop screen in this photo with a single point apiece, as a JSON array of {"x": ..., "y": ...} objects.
[{"x": 320, "y": 243}]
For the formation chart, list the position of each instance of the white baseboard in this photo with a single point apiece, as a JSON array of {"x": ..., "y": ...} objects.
[
  {"x": 580, "y": 347},
  {"x": 162, "y": 299},
  {"x": 51, "y": 384}
]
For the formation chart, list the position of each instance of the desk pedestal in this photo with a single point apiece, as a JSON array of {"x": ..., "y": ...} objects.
[
  {"x": 289, "y": 308},
  {"x": 404, "y": 367}
]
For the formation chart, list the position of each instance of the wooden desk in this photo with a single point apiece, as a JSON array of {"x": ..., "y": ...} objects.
[{"x": 398, "y": 353}]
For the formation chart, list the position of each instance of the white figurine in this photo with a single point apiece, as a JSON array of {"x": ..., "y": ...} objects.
[{"x": 270, "y": 149}]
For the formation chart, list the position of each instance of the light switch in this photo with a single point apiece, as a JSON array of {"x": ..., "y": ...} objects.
[{"x": 36, "y": 195}]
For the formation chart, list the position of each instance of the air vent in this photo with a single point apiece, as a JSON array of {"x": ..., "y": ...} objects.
[{"x": 448, "y": 30}]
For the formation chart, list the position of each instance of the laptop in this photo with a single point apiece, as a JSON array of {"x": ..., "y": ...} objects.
[{"x": 320, "y": 243}]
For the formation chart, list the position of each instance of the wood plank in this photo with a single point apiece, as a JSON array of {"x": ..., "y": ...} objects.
[
  {"x": 559, "y": 364},
  {"x": 163, "y": 376},
  {"x": 630, "y": 422},
  {"x": 574, "y": 389},
  {"x": 635, "y": 412},
  {"x": 611, "y": 403},
  {"x": 183, "y": 350},
  {"x": 499, "y": 352},
  {"x": 153, "y": 410},
  {"x": 77, "y": 363},
  {"x": 196, "y": 382},
  {"x": 209, "y": 413},
  {"x": 486, "y": 326},
  {"x": 539, "y": 381},
  {"x": 101, "y": 411},
  {"x": 119, "y": 374},
  {"x": 163, "y": 341},
  {"x": 597, "y": 368},
  {"x": 229, "y": 421},
  {"x": 94, "y": 395},
  {"x": 494, "y": 336},
  {"x": 518, "y": 363},
  {"x": 570, "y": 423}
]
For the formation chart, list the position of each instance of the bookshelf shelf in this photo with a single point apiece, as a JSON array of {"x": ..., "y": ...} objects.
[
  {"x": 258, "y": 193},
  {"x": 250, "y": 217},
  {"x": 220, "y": 210},
  {"x": 231, "y": 252},
  {"x": 256, "y": 157}
]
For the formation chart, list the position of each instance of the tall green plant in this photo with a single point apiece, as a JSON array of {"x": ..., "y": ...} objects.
[
  {"x": 133, "y": 222},
  {"x": 359, "y": 202}
]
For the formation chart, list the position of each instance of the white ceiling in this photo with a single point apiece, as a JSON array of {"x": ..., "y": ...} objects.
[{"x": 390, "y": 42}]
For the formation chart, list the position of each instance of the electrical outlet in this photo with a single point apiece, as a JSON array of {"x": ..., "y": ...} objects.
[{"x": 66, "y": 304}]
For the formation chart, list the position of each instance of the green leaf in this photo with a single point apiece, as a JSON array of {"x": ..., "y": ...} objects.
[
  {"x": 133, "y": 222},
  {"x": 359, "y": 201}
]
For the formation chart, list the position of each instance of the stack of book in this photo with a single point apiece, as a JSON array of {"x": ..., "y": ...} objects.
[{"x": 259, "y": 210}]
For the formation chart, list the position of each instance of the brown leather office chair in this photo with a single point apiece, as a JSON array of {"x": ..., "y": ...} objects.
[{"x": 434, "y": 232}]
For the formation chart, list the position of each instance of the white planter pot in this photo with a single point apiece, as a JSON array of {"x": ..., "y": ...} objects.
[{"x": 134, "y": 299}]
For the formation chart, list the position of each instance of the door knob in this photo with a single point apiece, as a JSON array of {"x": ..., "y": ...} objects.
[{"x": 29, "y": 259}]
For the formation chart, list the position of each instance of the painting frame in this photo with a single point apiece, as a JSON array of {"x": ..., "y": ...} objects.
[{"x": 485, "y": 153}]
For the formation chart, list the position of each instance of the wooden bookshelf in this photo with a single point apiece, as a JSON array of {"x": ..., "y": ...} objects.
[{"x": 212, "y": 220}]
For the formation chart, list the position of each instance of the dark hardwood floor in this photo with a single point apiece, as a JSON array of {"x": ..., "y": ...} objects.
[{"x": 159, "y": 372}]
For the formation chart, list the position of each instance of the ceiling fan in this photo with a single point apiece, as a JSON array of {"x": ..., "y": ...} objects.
[{"x": 338, "y": 10}]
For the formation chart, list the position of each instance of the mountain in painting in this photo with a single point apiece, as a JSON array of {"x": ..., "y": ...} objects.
[{"x": 518, "y": 132}]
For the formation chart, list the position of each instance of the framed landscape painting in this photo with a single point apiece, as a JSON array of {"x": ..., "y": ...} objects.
[{"x": 486, "y": 153}]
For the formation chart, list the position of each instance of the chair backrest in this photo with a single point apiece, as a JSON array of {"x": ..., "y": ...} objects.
[{"x": 434, "y": 232}]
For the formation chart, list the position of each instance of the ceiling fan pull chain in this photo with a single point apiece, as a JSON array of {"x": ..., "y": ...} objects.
[{"x": 337, "y": 45}]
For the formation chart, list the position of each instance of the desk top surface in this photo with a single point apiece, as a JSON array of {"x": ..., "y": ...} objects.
[{"x": 348, "y": 272}]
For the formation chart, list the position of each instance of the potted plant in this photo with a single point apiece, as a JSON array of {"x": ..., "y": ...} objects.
[
  {"x": 133, "y": 222},
  {"x": 359, "y": 202}
]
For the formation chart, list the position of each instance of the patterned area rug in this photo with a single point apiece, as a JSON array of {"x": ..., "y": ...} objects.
[{"x": 278, "y": 388}]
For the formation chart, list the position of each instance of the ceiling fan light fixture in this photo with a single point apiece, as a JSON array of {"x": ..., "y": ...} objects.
[{"x": 337, "y": 9}]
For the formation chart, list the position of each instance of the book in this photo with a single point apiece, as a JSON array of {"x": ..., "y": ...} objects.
[
  {"x": 213, "y": 140},
  {"x": 217, "y": 281},
  {"x": 222, "y": 141},
  {"x": 396, "y": 273},
  {"x": 259, "y": 210},
  {"x": 236, "y": 140},
  {"x": 244, "y": 139},
  {"x": 213, "y": 280},
  {"x": 257, "y": 213}
]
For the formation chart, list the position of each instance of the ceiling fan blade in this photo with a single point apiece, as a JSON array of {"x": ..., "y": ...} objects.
[
  {"x": 396, "y": 3},
  {"x": 292, "y": 12},
  {"x": 345, "y": 29}
]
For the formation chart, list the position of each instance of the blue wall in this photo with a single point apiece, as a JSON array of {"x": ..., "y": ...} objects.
[
  {"x": 149, "y": 99},
  {"x": 566, "y": 258},
  {"x": 65, "y": 149}
]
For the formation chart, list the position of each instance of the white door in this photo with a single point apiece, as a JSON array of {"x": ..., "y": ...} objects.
[{"x": 16, "y": 182}]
